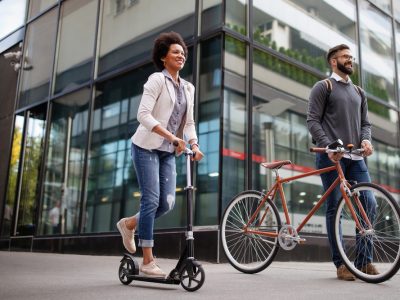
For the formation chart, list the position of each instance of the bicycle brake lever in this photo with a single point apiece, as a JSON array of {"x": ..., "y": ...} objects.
[{"x": 336, "y": 144}]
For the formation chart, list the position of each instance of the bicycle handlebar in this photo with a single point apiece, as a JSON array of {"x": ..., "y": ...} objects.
[
  {"x": 337, "y": 147},
  {"x": 337, "y": 150}
]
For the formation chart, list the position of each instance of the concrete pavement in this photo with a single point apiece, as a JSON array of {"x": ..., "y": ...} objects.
[{"x": 26, "y": 275}]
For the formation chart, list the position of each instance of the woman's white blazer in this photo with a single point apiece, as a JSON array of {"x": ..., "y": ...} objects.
[{"x": 156, "y": 108}]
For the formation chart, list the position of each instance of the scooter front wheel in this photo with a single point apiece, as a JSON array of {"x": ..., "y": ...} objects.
[
  {"x": 192, "y": 276},
  {"x": 126, "y": 268}
]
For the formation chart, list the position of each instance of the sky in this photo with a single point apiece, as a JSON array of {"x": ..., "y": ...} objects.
[{"x": 12, "y": 14}]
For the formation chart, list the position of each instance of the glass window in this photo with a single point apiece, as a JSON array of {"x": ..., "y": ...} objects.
[
  {"x": 383, "y": 164},
  {"x": 211, "y": 14},
  {"x": 122, "y": 43},
  {"x": 29, "y": 186},
  {"x": 76, "y": 43},
  {"x": 383, "y": 4},
  {"x": 38, "y": 59},
  {"x": 377, "y": 52},
  {"x": 37, "y": 6},
  {"x": 302, "y": 196},
  {"x": 234, "y": 120},
  {"x": 112, "y": 189},
  {"x": 397, "y": 33},
  {"x": 15, "y": 161},
  {"x": 64, "y": 166},
  {"x": 280, "y": 133},
  {"x": 384, "y": 167},
  {"x": 393, "y": 169},
  {"x": 12, "y": 15},
  {"x": 280, "y": 74},
  {"x": 236, "y": 11},
  {"x": 8, "y": 87},
  {"x": 396, "y": 9},
  {"x": 209, "y": 110},
  {"x": 306, "y": 29}
]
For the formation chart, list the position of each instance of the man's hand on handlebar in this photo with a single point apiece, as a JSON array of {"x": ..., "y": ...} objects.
[
  {"x": 335, "y": 156},
  {"x": 368, "y": 148}
]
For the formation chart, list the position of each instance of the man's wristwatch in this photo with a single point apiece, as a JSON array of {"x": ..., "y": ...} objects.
[{"x": 194, "y": 144}]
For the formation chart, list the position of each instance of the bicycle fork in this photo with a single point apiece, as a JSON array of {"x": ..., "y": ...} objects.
[{"x": 347, "y": 194}]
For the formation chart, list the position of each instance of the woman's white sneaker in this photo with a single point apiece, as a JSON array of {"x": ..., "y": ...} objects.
[
  {"x": 128, "y": 236},
  {"x": 151, "y": 269}
]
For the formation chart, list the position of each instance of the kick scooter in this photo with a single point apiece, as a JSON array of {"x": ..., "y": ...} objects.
[{"x": 188, "y": 271}]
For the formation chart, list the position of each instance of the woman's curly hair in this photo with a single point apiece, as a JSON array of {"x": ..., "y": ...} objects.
[{"x": 162, "y": 44}]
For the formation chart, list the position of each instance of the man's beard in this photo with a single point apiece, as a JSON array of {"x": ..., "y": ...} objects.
[{"x": 345, "y": 70}]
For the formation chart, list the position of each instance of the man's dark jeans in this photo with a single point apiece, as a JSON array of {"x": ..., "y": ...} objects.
[{"x": 354, "y": 170}]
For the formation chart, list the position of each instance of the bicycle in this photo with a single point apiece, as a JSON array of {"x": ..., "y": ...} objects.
[{"x": 252, "y": 230}]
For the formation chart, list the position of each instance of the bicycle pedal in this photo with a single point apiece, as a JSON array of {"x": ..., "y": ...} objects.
[{"x": 301, "y": 241}]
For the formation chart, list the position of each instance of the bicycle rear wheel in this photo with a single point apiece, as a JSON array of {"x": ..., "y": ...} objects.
[
  {"x": 249, "y": 252},
  {"x": 379, "y": 245}
]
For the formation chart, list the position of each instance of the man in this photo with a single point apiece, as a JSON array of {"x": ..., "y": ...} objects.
[
  {"x": 339, "y": 111},
  {"x": 54, "y": 216}
]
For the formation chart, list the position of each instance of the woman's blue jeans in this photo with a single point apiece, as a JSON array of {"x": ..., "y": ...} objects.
[
  {"x": 354, "y": 170},
  {"x": 156, "y": 174}
]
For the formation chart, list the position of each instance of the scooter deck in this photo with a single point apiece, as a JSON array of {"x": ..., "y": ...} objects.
[{"x": 167, "y": 280}]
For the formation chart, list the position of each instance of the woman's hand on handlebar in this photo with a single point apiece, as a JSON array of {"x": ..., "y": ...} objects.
[
  {"x": 180, "y": 145},
  {"x": 198, "y": 154}
]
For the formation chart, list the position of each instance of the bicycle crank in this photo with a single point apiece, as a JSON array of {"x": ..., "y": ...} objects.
[{"x": 288, "y": 237}]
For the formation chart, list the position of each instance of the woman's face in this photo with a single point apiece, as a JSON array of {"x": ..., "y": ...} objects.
[{"x": 175, "y": 58}]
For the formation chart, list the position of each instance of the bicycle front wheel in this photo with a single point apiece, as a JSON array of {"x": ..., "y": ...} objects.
[
  {"x": 378, "y": 245},
  {"x": 250, "y": 252}
]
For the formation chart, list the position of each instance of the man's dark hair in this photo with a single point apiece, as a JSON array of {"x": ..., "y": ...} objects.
[
  {"x": 162, "y": 44},
  {"x": 334, "y": 50}
]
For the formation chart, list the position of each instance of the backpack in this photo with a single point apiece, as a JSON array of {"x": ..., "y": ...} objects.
[{"x": 329, "y": 87}]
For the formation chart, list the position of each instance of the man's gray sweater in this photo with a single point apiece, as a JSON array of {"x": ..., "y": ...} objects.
[{"x": 345, "y": 118}]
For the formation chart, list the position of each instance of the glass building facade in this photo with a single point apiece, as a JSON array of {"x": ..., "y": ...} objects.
[{"x": 72, "y": 77}]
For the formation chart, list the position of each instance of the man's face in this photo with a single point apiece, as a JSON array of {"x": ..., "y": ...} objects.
[{"x": 344, "y": 61}]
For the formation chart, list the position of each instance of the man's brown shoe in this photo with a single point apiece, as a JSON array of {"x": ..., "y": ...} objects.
[
  {"x": 344, "y": 274},
  {"x": 369, "y": 269}
]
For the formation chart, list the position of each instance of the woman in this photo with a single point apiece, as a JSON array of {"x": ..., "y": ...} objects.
[{"x": 166, "y": 115}]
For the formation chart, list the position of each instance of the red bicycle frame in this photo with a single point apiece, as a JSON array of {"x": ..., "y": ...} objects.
[{"x": 278, "y": 187}]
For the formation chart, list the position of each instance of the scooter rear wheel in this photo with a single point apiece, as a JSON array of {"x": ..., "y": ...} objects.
[
  {"x": 192, "y": 276},
  {"x": 125, "y": 269}
]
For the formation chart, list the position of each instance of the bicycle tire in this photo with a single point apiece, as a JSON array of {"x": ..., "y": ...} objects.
[
  {"x": 384, "y": 238},
  {"x": 248, "y": 252}
]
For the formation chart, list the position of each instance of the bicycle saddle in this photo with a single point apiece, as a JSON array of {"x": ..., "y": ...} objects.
[{"x": 276, "y": 165}]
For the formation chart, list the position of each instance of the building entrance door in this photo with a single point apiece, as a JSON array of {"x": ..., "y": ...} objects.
[
  {"x": 29, "y": 172},
  {"x": 23, "y": 188}
]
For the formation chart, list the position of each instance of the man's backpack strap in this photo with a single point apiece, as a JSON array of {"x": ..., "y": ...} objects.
[
  {"x": 358, "y": 89},
  {"x": 328, "y": 84}
]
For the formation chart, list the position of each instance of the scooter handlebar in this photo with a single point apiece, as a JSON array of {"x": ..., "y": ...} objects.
[{"x": 187, "y": 151}]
